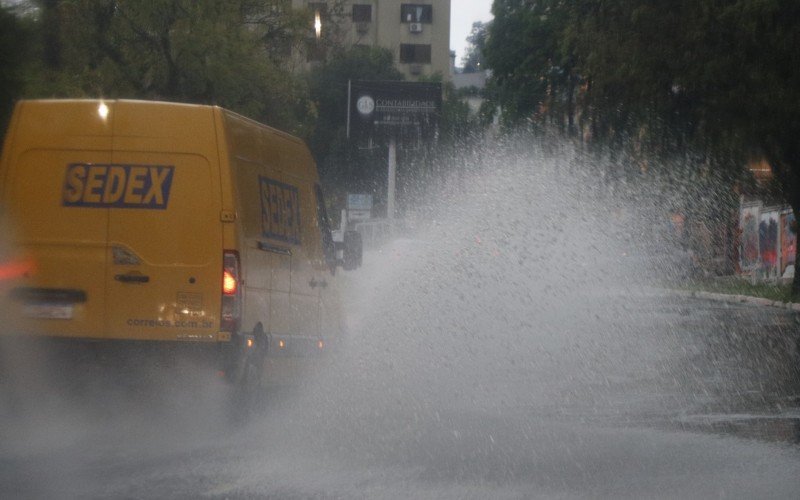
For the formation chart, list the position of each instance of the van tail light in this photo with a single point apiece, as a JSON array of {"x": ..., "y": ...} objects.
[
  {"x": 231, "y": 316},
  {"x": 16, "y": 269},
  {"x": 229, "y": 286}
]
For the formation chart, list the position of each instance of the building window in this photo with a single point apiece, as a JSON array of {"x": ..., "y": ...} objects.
[
  {"x": 415, "y": 53},
  {"x": 416, "y": 13},
  {"x": 362, "y": 13}
]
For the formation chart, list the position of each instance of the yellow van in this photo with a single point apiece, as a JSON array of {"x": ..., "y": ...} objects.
[{"x": 170, "y": 224}]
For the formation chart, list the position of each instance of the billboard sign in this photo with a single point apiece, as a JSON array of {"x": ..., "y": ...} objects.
[{"x": 391, "y": 108}]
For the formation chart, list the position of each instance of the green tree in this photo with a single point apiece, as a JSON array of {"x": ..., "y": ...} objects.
[
  {"x": 720, "y": 77},
  {"x": 472, "y": 61},
  {"x": 14, "y": 40},
  {"x": 341, "y": 162},
  {"x": 278, "y": 27},
  {"x": 213, "y": 52},
  {"x": 717, "y": 77},
  {"x": 533, "y": 66}
]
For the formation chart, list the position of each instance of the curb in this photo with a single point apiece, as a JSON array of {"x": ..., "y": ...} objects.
[{"x": 738, "y": 299}]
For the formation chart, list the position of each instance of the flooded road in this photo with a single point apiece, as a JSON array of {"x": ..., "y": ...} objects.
[
  {"x": 741, "y": 371},
  {"x": 714, "y": 413},
  {"x": 514, "y": 347}
]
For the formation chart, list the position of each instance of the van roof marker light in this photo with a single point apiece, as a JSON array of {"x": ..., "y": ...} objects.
[
  {"x": 318, "y": 24},
  {"x": 102, "y": 110}
]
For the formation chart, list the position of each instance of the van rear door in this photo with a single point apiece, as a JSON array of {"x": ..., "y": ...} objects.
[
  {"x": 165, "y": 237},
  {"x": 63, "y": 236},
  {"x": 165, "y": 256}
]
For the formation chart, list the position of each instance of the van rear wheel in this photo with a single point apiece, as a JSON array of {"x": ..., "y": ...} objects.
[{"x": 247, "y": 376}]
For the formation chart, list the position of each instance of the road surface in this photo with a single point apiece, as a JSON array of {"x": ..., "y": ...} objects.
[{"x": 676, "y": 398}]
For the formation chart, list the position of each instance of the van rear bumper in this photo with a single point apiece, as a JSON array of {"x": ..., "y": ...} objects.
[{"x": 53, "y": 353}]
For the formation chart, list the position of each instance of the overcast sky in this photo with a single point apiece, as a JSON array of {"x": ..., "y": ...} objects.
[{"x": 462, "y": 14}]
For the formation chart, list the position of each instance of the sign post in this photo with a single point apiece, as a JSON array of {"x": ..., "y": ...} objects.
[
  {"x": 390, "y": 190},
  {"x": 390, "y": 110}
]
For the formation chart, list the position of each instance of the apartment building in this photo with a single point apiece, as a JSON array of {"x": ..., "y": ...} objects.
[{"x": 417, "y": 32}]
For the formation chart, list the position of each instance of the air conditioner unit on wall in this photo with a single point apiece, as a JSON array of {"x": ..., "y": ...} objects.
[
  {"x": 415, "y": 69},
  {"x": 415, "y": 27},
  {"x": 362, "y": 28}
]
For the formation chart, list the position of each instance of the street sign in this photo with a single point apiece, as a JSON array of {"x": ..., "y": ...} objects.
[
  {"x": 393, "y": 109},
  {"x": 359, "y": 207},
  {"x": 392, "y": 112},
  {"x": 359, "y": 215},
  {"x": 359, "y": 201}
]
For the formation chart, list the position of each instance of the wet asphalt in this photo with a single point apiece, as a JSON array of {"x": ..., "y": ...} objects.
[{"x": 698, "y": 399}]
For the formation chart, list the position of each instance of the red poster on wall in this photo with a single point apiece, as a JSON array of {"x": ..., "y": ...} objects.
[
  {"x": 788, "y": 240},
  {"x": 748, "y": 225}
]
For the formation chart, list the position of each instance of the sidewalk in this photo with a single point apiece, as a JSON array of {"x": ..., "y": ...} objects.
[{"x": 737, "y": 299}]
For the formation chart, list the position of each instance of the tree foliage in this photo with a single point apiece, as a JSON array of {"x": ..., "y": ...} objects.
[
  {"x": 718, "y": 77},
  {"x": 691, "y": 70},
  {"x": 223, "y": 52},
  {"x": 531, "y": 63},
  {"x": 472, "y": 62},
  {"x": 340, "y": 159},
  {"x": 14, "y": 41}
]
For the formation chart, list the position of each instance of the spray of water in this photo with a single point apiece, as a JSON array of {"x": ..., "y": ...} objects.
[
  {"x": 500, "y": 349},
  {"x": 496, "y": 351}
]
